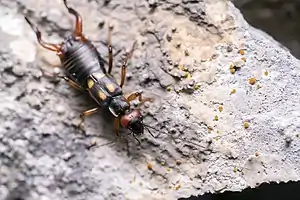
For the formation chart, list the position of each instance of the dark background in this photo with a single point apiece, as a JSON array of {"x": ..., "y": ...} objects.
[{"x": 273, "y": 191}]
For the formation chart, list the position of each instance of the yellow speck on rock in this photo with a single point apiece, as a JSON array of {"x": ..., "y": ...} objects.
[
  {"x": 235, "y": 169},
  {"x": 242, "y": 51},
  {"x": 186, "y": 75},
  {"x": 233, "y": 91},
  {"x": 232, "y": 70},
  {"x": 258, "y": 86},
  {"x": 220, "y": 108},
  {"x": 252, "y": 81},
  {"x": 246, "y": 125},
  {"x": 177, "y": 187},
  {"x": 181, "y": 67},
  {"x": 216, "y": 118},
  {"x": 169, "y": 88},
  {"x": 266, "y": 73},
  {"x": 149, "y": 166},
  {"x": 197, "y": 86}
]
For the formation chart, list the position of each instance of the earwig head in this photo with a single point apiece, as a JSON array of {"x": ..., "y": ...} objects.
[{"x": 133, "y": 121}]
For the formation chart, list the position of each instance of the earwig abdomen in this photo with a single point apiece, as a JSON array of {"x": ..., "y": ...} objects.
[{"x": 81, "y": 59}]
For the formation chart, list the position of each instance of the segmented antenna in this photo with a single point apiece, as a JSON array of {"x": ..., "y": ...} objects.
[{"x": 184, "y": 140}]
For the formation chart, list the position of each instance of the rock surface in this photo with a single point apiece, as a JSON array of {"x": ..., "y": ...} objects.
[{"x": 194, "y": 57}]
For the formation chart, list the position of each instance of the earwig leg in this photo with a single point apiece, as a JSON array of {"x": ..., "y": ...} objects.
[
  {"x": 137, "y": 139},
  {"x": 120, "y": 139},
  {"x": 138, "y": 95},
  {"x": 110, "y": 52},
  {"x": 72, "y": 83},
  {"x": 67, "y": 79},
  {"x": 123, "y": 72},
  {"x": 78, "y": 28},
  {"x": 85, "y": 114},
  {"x": 117, "y": 126},
  {"x": 51, "y": 47},
  {"x": 147, "y": 127},
  {"x": 127, "y": 146}
]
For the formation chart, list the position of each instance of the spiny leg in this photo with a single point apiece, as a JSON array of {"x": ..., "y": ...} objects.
[
  {"x": 116, "y": 129},
  {"x": 137, "y": 139},
  {"x": 123, "y": 73},
  {"x": 147, "y": 127},
  {"x": 51, "y": 47},
  {"x": 117, "y": 126},
  {"x": 67, "y": 79},
  {"x": 110, "y": 52},
  {"x": 72, "y": 83},
  {"x": 85, "y": 114},
  {"x": 78, "y": 28},
  {"x": 138, "y": 95}
]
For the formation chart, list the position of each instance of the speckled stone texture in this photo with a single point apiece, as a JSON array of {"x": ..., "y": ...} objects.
[{"x": 188, "y": 58}]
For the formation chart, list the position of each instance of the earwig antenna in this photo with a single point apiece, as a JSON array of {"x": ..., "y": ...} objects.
[
  {"x": 51, "y": 47},
  {"x": 33, "y": 27},
  {"x": 136, "y": 138},
  {"x": 184, "y": 140},
  {"x": 105, "y": 144},
  {"x": 147, "y": 127}
]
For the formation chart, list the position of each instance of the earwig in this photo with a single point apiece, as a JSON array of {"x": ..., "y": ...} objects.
[{"x": 84, "y": 70}]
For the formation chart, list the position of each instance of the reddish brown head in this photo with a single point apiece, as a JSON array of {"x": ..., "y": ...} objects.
[{"x": 133, "y": 121}]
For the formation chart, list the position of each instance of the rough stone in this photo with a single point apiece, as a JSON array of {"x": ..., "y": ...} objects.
[{"x": 45, "y": 156}]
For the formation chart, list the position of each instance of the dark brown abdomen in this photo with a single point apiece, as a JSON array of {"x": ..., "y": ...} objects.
[{"x": 80, "y": 59}]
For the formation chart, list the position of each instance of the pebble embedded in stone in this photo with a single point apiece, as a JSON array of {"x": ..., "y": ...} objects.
[
  {"x": 9, "y": 79},
  {"x": 19, "y": 70},
  {"x": 238, "y": 63},
  {"x": 60, "y": 109}
]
